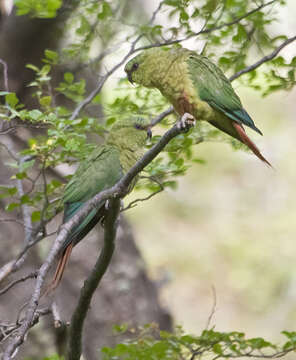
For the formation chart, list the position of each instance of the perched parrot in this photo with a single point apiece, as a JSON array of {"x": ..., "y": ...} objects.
[
  {"x": 101, "y": 170},
  {"x": 195, "y": 86}
]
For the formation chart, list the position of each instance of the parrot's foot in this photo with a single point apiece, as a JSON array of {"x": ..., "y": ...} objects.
[
  {"x": 121, "y": 205},
  {"x": 107, "y": 204},
  {"x": 186, "y": 122}
]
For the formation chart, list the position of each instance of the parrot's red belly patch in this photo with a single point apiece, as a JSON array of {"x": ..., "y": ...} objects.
[{"x": 183, "y": 105}]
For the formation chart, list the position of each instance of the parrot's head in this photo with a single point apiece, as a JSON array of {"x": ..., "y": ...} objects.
[
  {"x": 145, "y": 68},
  {"x": 131, "y": 132}
]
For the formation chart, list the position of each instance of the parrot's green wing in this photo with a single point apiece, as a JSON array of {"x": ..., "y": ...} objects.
[
  {"x": 214, "y": 88},
  {"x": 100, "y": 171}
]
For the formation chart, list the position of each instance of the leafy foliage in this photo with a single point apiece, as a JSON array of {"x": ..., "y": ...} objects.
[
  {"x": 38, "y": 8},
  {"x": 150, "y": 343}
]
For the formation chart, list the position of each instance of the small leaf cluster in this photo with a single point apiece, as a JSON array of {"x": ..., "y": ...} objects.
[
  {"x": 149, "y": 343},
  {"x": 61, "y": 140},
  {"x": 38, "y": 8},
  {"x": 92, "y": 17}
]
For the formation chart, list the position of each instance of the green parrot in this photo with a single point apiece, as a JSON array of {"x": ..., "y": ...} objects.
[
  {"x": 195, "y": 86},
  {"x": 102, "y": 169}
]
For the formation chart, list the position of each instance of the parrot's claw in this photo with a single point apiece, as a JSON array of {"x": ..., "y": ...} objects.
[
  {"x": 107, "y": 204},
  {"x": 186, "y": 122}
]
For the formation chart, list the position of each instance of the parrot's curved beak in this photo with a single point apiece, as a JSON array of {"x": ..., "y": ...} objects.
[
  {"x": 149, "y": 133},
  {"x": 129, "y": 76}
]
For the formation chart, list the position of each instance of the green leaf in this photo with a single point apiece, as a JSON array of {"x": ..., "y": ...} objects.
[
  {"x": 105, "y": 12},
  {"x": 25, "y": 199},
  {"x": 11, "y": 99},
  {"x": 6, "y": 191},
  {"x": 119, "y": 329},
  {"x": 69, "y": 77},
  {"x": 52, "y": 56},
  {"x": 35, "y": 115},
  {"x": 84, "y": 26},
  {"x": 12, "y": 206},
  {"x": 36, "y": 216},
  {"x": 39, "y": 9},
  {"x": 217, "y": 349},
  {"x": 56, "y": 183},
  {"x": 27, "y": 164},
  {"x": 21, "y": 175},
  {"x": 12, "y": 191},
  {"x": 45, "y": 101},
  {"x": 45, "y": 70},
  {"x": 32, "y": 67}
]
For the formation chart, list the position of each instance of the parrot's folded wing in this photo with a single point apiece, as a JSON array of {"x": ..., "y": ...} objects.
[
  {"x": 214, "y": 88},
  {"x": 100, "y": 171}
]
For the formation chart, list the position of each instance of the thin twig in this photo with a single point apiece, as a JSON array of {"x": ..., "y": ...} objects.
[
  {"x": 153, "y": 179},
  {"x": 22, "y": 279},
  {"x": 161, "y": 116},
  {"x": 5, "y": 74},
  {"x": 15, "y": 264},
  {"x": 26, "y": 126},
  {"x": 12, "y": 220},
  {"x": 266, "y": 58},
  {"x": 12, "y": 328},
  {"x": 92, "y": 282},
  {"x": 56, "y": 315},
  {"x": 134, "y": 203},
  {"x": 213, "y": 310},
  {"x": 9, "y": 151}
]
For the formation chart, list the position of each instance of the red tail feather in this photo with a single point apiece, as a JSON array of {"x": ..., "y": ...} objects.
[
  {"x": 247, "y": 141},
  {"x": 60, "y": 269}
]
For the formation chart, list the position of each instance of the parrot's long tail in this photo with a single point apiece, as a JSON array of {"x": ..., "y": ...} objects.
[
  {"x": 247, "y": 141},
  {"x": 59, "y": 270}
]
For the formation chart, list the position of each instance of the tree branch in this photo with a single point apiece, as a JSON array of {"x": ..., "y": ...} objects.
[
  {"x": 92, "y": 282},
  {"x": 134, "y": 203},
  {"x": 22, "y": 279},
  {"x": 117, "y": 191},
  {"x": 161, "y": 116},
  {"x": 208, "y": 30},
  {"x": 6, "y": 330},
  {"x": 266, "y": 58}
]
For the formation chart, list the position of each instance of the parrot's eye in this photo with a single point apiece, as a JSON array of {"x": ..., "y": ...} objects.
[
  {"x": 135, "y": 66},
  {"x": 138, "y": 126}
]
